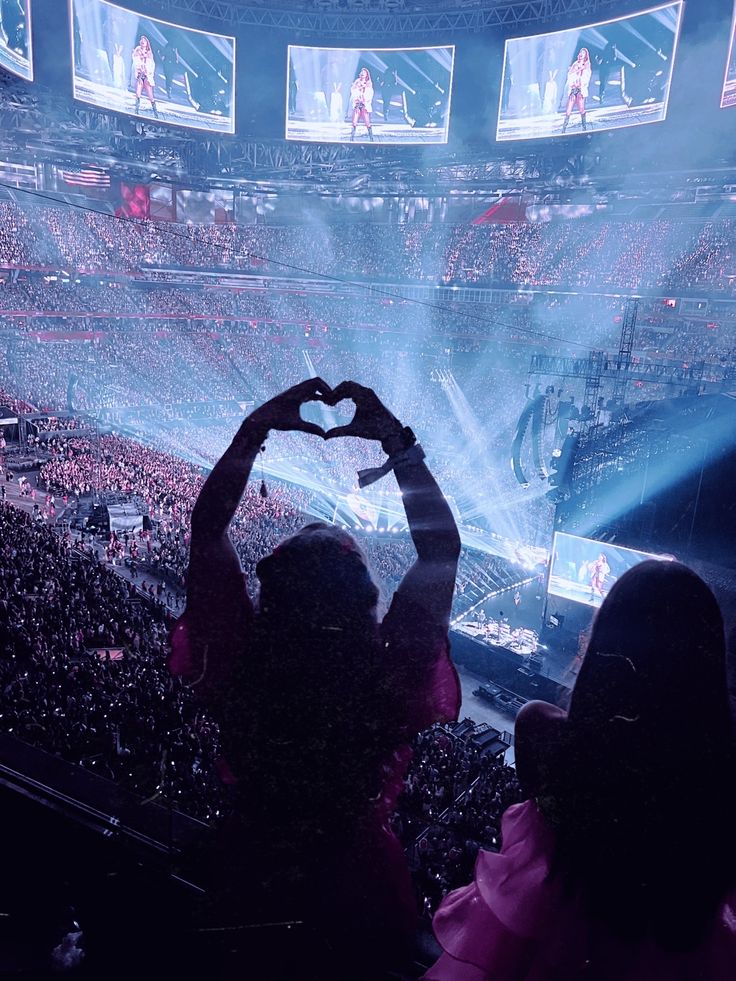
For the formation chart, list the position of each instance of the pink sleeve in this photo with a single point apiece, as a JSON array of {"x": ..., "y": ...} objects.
[
  {"x": 493, "y": 928},
  {"x": 206, "y": 643},
  {"x": 515, "y": 922},
  {"x": 416, "y": 653}
]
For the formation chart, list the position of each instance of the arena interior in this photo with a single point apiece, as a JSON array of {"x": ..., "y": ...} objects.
[{"x": 512, "y": 220}]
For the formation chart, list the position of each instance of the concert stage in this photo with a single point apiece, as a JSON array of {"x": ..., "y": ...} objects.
[
  {"x": 509, "y": 670},
  {"x": 519, "y": 640}
]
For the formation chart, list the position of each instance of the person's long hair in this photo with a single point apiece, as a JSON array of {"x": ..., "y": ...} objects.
[
  {"x": 305, "y": 724},
  {"x": 640, "y": 790}
]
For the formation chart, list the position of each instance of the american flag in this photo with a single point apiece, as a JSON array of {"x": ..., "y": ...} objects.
[{"x": 86, "y": 177}]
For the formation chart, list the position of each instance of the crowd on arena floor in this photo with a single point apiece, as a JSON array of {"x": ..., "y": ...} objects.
[
  {"x": 84, "y": 676},
  {"x": 167, "y": 488},
  {"x": 83, "y": 655},
  {"x": 84, "y": 671},
  {"x": 451, "y": 808}
]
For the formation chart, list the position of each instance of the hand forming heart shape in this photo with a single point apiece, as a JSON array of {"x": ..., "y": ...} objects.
[
  {"x": 283, "y": 411},
  {"x": 372, "y": 420}
]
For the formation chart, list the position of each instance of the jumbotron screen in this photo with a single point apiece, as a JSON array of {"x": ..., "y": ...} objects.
[
  {"x": 599, "y": 77},
  {"x": 384, "y": 95},
  {"x": 583, "y": 570},
  {"x": 728, "y": 97},
  {"x": 152, "y": 69},
  {"x": 16, "y": 54}
]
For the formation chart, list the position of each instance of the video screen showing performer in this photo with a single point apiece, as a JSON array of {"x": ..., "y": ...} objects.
[
  {"x": 728, "y": 97},
  {"x": 583, "y": 569},
  {"x": 152, "y": 69},
  {"x": 386, "y": 95},
  {"x": 599, "y": 77},
  {"x": 16, "y": 55},
  {"x": 361, "y": 99}
]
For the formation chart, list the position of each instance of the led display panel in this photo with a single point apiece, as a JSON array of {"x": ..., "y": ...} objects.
[
  {"x": 603, "y": 76},
  {"x": 728, "y": 96},
  {"x": 583, "y": 569},
  {"x": 16, "y": 54},
  {"x": 152, "y": 69},
  {"x": 383, "y": 95}
]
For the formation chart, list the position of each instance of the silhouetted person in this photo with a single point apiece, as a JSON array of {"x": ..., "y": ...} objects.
[
  {"x": 622, "y": 862},
  {"x": 317, "y": 700}
]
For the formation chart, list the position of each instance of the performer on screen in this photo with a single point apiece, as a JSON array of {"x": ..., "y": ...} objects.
[
  {"x": 361, "y": 99},
  {"x": 599, "y": 571},
  {"x": 144, "y": 70},
  {"x": 578, "y": 81}
]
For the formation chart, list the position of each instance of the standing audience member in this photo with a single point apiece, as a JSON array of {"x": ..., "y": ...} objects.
[
  {"x": 317, "y": 701},
  {"x": 599, "y": 876}
]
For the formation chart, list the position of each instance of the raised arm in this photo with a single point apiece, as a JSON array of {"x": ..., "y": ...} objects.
[
  {"x": 224, "y": 488},
  {"x": 430, "y": 582},
  {"x": 217, "y": 601}
]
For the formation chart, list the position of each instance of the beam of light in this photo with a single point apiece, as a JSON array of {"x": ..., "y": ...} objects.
[
  {"x": 443, "y": 57},
  {"x": 327, "y": 416},
  {"x": 600, "y": 42},
  {"x": 710, "y": 438},
  {"x": 667, "y": 16},
  {"x": 481, "y": 484},
  {"x": 643, "y": 40},
  {"x": 425, "y": 76}
]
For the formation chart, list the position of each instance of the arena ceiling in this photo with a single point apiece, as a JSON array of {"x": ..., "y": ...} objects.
[{"x": 332, "y": 18}]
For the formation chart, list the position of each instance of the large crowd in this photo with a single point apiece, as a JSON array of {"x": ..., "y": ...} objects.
[
  {"x": 83, "y": 658},
  {"x": 166, "y": 488},
  {"x": 84, "y": 671},
  {"x": 583, "y": 253},
  {"x": 181, "y": 384},
  {"x": 83, "y": 649},
  {"x": 451, "y": 808},
  {"x": 106, "y": 347}
]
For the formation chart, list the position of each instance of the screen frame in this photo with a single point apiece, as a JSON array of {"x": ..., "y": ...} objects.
[
  {"x": 342, "y": 47},
  {"x": 680, "y": 4},
  {"x": 167, "y": 23},
  {"x": 731, "y": 43},
  {"x": 30, "y": 76}
]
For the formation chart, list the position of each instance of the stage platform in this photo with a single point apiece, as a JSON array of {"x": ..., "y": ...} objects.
[
  {"x": 519, "y": 640},
  {"x": 507, "y": 669}
]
